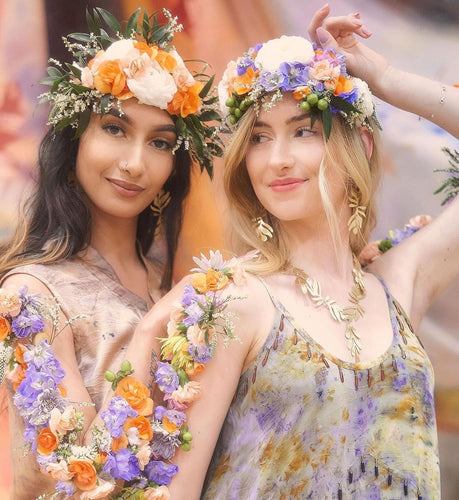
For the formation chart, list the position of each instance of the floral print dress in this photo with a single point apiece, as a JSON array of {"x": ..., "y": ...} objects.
[{"x": 304, "y": 424}]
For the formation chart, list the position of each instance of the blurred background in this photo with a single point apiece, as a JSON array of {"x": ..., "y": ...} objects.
[{"x": 417, "y": 35}]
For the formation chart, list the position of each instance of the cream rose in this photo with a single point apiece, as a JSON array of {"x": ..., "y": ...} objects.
[
  {"x": 139, "y": 66},
  {"x": 10, "y": 303},
  {"x": 420, "y": 220},
  {"x": 122, "y": 51},
  {"x": 87, "y": 78},
  {"x": 188, "y": 393},
  {"x": 284, "y": 49},
  {"x": 143, "y": 455},
  {"x": 102, "y": 490},
  {"x": 59, "y": 471},
  {"x": 323, "y": 70},
  {"x": 60, "y": 423},
  {"x": 182, "y": 77},
  {"x": 154, "y": 87},
  {"x": 197, "y": 336},
  {"x": 224, "y": 85}
]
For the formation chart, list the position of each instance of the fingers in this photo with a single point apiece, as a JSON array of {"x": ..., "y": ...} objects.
[
  {"x": 343, "y": 25},
  {"x": 316, "y": 22}
]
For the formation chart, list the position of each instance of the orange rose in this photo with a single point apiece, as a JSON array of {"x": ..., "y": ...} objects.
[
  {"x": 136, "y": 394},
  {"x": 193, "y": 368},
  {"x": 85, "y": 476},
  {"x": 120, "y": 443},
  {"x": 198, "y": 281},
  {"x": 110, "y": 79},
  {"x": 142, "y": 425},
  {"x": 243, "y": 83},
  {"x": 343, "y": 85},
  {"x": 186, "y": 100},
  {"x": 5, "y": 328},
  {"x": 19, "y": 355},
  {"x": 46, "y": 441},
  {"x": 215, "y": 280},
  {"x": 165, "y": 60}
]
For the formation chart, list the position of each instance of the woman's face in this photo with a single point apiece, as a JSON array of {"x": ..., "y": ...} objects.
[
  {"x": 283, "y": 160},
  {"x": 141, "y": 138}
]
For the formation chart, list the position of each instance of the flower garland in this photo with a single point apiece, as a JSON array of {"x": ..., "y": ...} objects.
[
  {"x": 137, "y": 440},
  {"x": 138, "y": 61},
  {"x": 317, "y": 77},
  {"x": 450, "y": 186}
]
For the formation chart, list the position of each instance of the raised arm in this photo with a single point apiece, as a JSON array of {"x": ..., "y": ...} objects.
[{"x": 433, "y": 100}]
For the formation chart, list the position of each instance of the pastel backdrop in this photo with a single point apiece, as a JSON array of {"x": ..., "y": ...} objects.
[{"x": 418, "y": 35}]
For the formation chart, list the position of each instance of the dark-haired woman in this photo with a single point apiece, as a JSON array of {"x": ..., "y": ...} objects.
[{"x": 101, "y": 202}]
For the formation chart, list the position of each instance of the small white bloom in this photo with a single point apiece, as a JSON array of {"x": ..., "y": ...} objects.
[
  {"x": 284, "y": 49},
  {"x": 154, "y": 87},
  {"x": 364, "y": 102}
]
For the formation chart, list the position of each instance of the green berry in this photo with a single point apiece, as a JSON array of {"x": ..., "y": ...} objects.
[
  {"x": 305, "y": 106},
  {"x": 110, "y": 376},
  {"x": 230, "y": 102},
  {"x": 232, "y": 110},
  {"x": 245, "y": 104},
  {"x": 233, "y": 120},
  {"x": 126, "y": 366},
  {"x": 322, "y": 104},
  {"x": 237, "y": 112},
  {"x": 312, "y": 99},
  {"x": 186, "y": 446},
  {"x": 187, "y": 436}
]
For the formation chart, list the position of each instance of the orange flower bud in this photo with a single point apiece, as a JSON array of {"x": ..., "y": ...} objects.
[
  {"x": 198, "y": 281},
  {"x": 142, "y": 425},
  {"x": 46, "y": 441},
  {"x": 85, "y": 475},
  {"x": 136, "y": 394},
  {"x": 120, "y": 443},
  {"x": 165, "y": 60}
]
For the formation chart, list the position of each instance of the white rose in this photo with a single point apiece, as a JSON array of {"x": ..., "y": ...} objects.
[
  {"x": 59, "y": 471},
  {"x": 284, "y": 49},
  {"x": 154, "y": 87},
  {"x": 364, "y": 102},
  {"x": 228, "y": 76}
]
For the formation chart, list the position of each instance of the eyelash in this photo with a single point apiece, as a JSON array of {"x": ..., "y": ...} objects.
[
  {"x": 256, "y": 138},
  {"x": 160, "y": 144}
]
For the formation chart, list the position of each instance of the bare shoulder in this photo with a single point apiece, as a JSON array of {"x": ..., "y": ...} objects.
[{"x": 18, "y": 280}]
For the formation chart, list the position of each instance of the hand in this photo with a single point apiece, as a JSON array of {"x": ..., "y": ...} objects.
[{"x": 340, "y": 33}]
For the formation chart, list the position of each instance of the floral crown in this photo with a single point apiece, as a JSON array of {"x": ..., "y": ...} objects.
[
  {"x": 138, "y": 62},
  {"x": 317, "y": 77}
]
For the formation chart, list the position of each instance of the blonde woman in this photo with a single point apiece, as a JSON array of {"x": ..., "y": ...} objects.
[{"x": 329, "y": 393}]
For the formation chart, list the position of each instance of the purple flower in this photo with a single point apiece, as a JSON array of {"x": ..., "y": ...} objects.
[
  {"x": 27, "y": 323},
  {"x": 398, "y": 235},
  {"x": 243, "y": 63},
  {"x": 166, "y": 377},
  {"x": 30, "y": 436},
  {"x": 272, "y": 80},
  {"x": 200, "y": 353},
  {"x": 66, "y": 487},
  {"x": 41, "y": 358},
  {"x": 164, "y": 444},
  {"x": 116, "y": 414},
  {"x": 296, "y": 75},
  {"x": 29, "y": 300},
  {"x": 122, "y": 465},
  {"x": 190, "y": 295},
  {"x": 174, "y": 416},
  {"x": 160, "y": 472},
  {"x": 194, "y": 313}
]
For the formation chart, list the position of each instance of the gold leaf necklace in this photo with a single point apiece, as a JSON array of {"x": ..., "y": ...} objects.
[{"x": 312, "y": 289}]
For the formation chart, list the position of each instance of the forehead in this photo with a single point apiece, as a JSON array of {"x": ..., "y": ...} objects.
[{"x": 280, "y": 111}]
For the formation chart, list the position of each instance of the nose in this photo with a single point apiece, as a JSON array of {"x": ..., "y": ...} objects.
[
  {"x": 280, "y": 156},
  {"x": 132, "y": 163}
]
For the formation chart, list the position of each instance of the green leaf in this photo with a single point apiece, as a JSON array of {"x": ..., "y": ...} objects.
[
  {"x": 49, "y": 80},
  {"x": 109, "y": 19},
  {"x": 327, "y": 121},
  {"x": 83, "y": 121},
  {"x": 54, "y": 72},
  {"x": 80, "y": 37},
  {"x": 207, "y": 87},
  {"x": 208, "y": 116},
  {"x": 104, "y": 101},
  {"x": 132, "y": 23},
  {"x": 343, "y": 105}
]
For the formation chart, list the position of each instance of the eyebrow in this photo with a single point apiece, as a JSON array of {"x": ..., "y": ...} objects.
[
  {"x": 160, "y": 128},
  {"x": 293, "y": 119}
]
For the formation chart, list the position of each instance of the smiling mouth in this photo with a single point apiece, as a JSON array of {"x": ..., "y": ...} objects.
[
  {"x": 286, "y": 184},
  {"x": 125, "y": 188}
]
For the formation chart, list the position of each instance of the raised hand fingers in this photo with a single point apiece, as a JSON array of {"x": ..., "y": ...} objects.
[
  {"x": 341, "y": 26},
  {"x": 316, "y": 22}
]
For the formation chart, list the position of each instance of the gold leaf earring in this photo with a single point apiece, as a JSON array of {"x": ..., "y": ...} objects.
[
  {"x": 160, "y": 202},
  {"x": 263, "y": 230},
  {"x": 355, "y": 221}
]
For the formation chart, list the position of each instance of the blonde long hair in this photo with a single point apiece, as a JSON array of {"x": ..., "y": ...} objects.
[{"x": 344, "y": 152}]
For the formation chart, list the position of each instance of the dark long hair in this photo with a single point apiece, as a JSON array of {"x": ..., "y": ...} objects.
[{"x": 56, "y": 223}]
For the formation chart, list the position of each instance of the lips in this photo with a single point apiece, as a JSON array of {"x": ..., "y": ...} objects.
[
  {"x": 287, "y": 184},
  {"x": 125, "y": 188}
]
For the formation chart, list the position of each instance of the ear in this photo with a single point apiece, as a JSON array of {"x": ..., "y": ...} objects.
[{"x": 367, "y": 139}]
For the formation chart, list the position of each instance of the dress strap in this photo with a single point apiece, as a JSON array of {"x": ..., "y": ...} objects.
[{"x": 277, "y": 304}]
